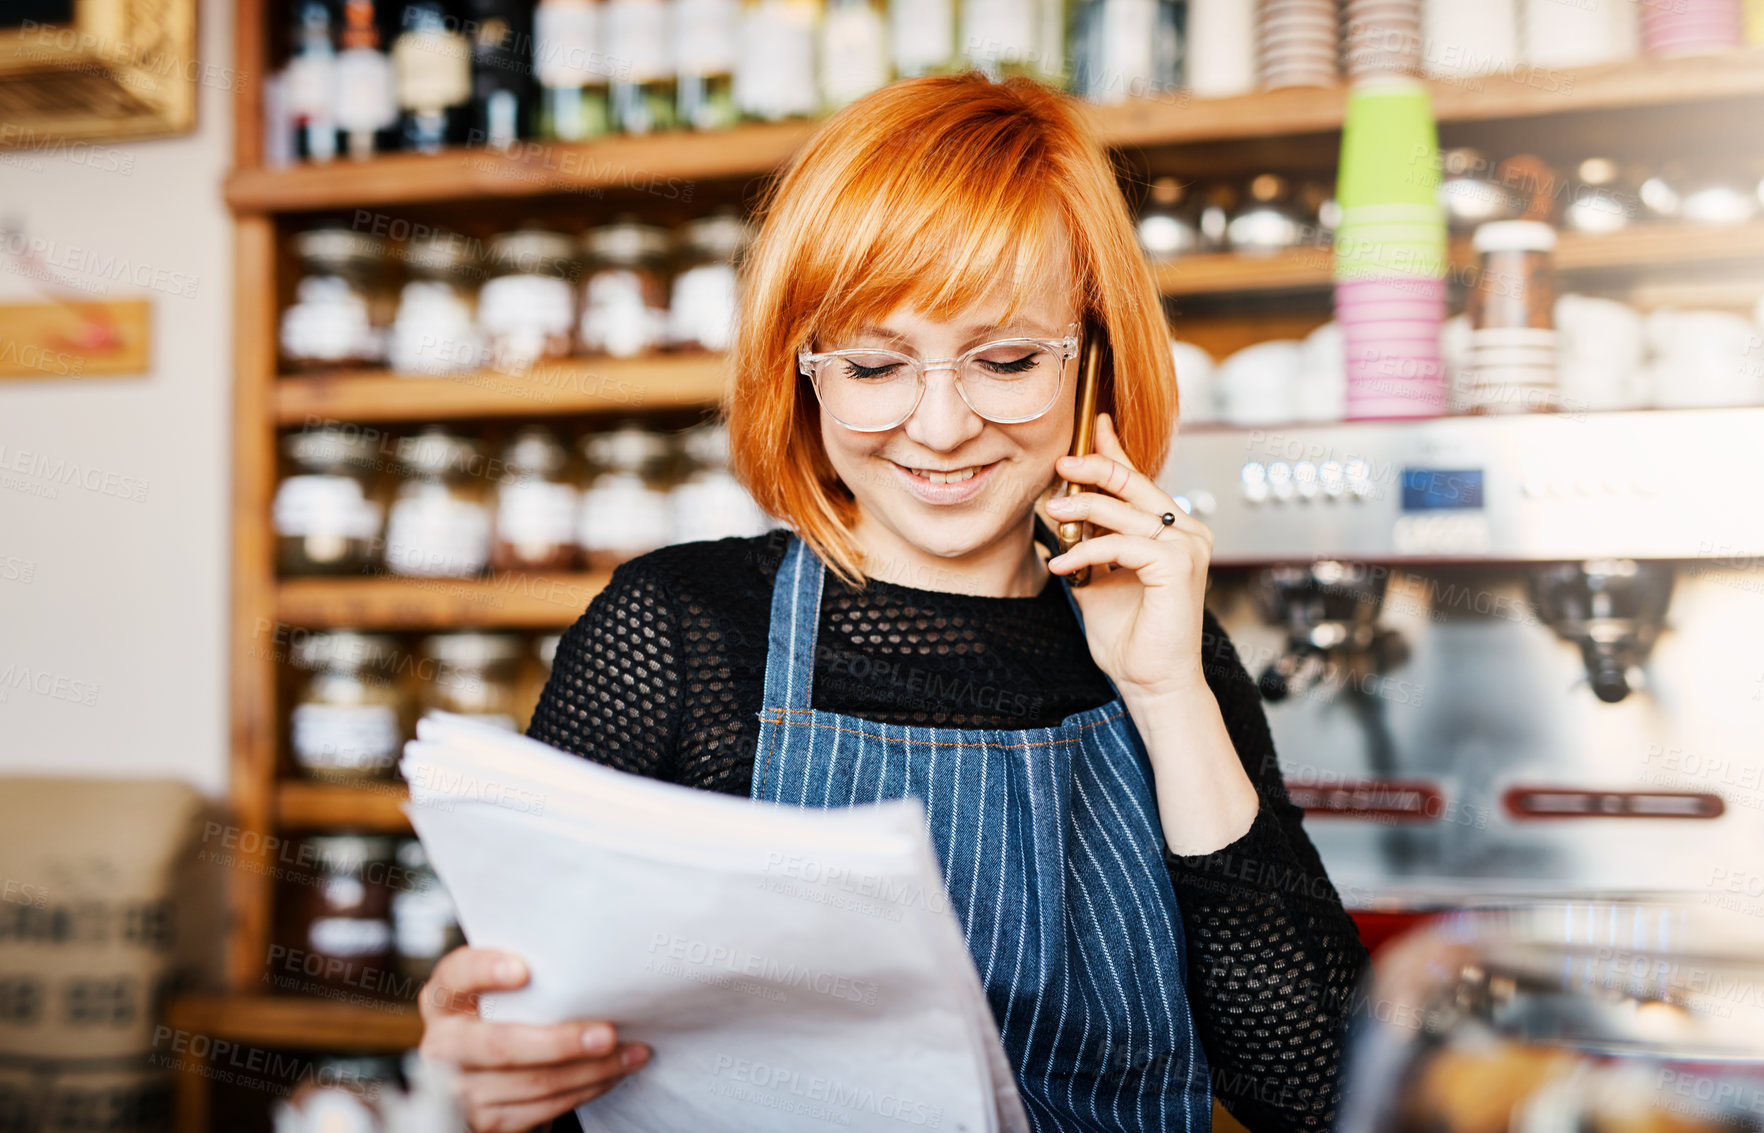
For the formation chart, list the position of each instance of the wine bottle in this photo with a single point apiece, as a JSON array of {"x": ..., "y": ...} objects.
[
  {"x": 432, "y": 66},
  {"x": 501, "y": 35}
]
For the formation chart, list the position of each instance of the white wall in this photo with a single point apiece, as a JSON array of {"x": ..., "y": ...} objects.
[{"x": 127, "y": 596}]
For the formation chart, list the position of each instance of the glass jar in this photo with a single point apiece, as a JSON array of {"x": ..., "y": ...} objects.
[
  {"x": 710, "y": 503},
  {"x": 775, "y": 59},
  {"x": 535, "y": 506},
  {"x": 701, "y": 310},
  {"x": 347, "y": 724},
  {"x": 338, "y": 930},
  {"x": 526, "y": 308},
  {"x": 854, "y": 50},
  {"x": 341, "y": 305},
  {"x": 642, "y": 92},
  {"x": 571, "y": 63},
  {"x": 439, "y": 525},
  {"x": 425, "y": 926},
  {"x": 1168, "y": 226},
  {"x": 704, "y": 56},
  {"x": 434, "y": 331},
  {"x": 625, "y": 506},
  {"x": 327, "y": 511},
  {"x": 471, "y": 674},
  {"x": 625, "y": 300}
]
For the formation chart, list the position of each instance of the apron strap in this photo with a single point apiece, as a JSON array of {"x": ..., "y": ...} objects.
[{"x": 796, "y": 619}]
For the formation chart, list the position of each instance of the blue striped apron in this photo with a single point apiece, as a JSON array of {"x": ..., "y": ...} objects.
[{"x": 1053, "y": 857}]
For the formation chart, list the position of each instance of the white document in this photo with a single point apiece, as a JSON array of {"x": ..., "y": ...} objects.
[{"x": 791, "y": 969}]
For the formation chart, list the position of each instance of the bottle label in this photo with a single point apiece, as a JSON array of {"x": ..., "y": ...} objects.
[
  {"x": 924, "y": 34},
  {"x": 776, "y": 76},
  {"x": 365, "y": 97},
  {"x": 536, "y": 513},
  {"x": 1129, "y": 48},
  {"x": 345, "y": 737},
  {"x": 998, "y": 29},
  {"x": 433, "y": 68},
  {"x": 566, "y": 45},
  {"x": 704, "y": 36},
  {"x": 637, "y": 40},
  {"x": 312, "y": 84},
  {"x": 433, "y": 533},
  {"x": 854, "y": 52},
  {"x": 349, "y": 936},
  {"x": 324, "y": 505}
]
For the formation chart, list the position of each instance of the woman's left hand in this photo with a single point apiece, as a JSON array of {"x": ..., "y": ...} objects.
[{"x": 1143, "y": 621}]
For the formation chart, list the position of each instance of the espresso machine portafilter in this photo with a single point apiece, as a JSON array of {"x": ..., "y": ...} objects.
[
  {"x": 1329, "y": 612},
  {"x": 1611, "y": 608}
]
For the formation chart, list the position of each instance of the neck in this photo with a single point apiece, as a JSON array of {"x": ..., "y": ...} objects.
[{"x": 1011, "y": 566}]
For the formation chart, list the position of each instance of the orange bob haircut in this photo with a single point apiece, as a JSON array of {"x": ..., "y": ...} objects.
[{"x": 931, "y": 193}]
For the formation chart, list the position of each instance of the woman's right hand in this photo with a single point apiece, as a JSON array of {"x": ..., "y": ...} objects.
[{"x": 515, "y": 1076}]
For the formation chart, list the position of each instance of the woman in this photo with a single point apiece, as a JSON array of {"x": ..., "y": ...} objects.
[{"x": 1148, "y": 917}]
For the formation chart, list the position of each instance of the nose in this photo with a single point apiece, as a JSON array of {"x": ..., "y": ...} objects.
[{"x": 943, "y": 422}]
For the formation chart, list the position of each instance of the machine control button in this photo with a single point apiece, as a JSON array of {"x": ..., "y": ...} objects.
[
  {"x": 1280, "y": 480},
  {"x": 1304, "y": 478}
]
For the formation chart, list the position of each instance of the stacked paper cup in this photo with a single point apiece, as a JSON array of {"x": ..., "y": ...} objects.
[
  {"x": 1220, "y": 55},
  {"x": 1688, "y": 27},
  {"x": 1383, "y": 38},
  {"x": 1513, "y": 319},
  {"x": 1554, "y": 33},
  {"x": 1470, "y": 39},
  {"x": 1390, "y": 252},
  {"x": 1297, "y": 43}
]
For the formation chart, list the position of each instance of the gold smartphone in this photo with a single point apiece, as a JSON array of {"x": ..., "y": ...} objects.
[{"x": 1071, "y": 532}]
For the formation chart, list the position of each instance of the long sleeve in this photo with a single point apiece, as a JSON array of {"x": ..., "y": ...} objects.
[
  {"x": 615, "y": 687},
  {"x": 1273, "y": 957}
]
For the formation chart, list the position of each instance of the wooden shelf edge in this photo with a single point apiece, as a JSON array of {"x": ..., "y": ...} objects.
[
  {"x": 509, "y": 600},
  {"x": 660, "y": 164},
  {"x": 313, "y": 806},
  {"x": 584, "y": 385},
  {"x": 291, "y": 1021}
]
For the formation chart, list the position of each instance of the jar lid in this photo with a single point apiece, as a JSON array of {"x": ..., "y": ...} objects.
[
  {"x": 350, "y": 852},
  {"x": 722, "y": 234},
  {"x": 627, "y": 449},
  {"x": 441, "y": 253},
  {"x": 471, "y": 650},
  {"x": 626, "y": 243},
  {"x": 547, "y": 649},
  {"x": 534, "y": 452},
  {"x": 336, "y": 246},
  {"x": 533, "y": 251},
  {"x": 1515, "y": 236},
  {"x": 342, "y": 649},
  {"x": 329, "y": 448},
  {"x": 434, "y": 452}
]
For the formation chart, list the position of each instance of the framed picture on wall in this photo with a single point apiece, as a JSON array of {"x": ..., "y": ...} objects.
[{"x": 98, "y": 70}]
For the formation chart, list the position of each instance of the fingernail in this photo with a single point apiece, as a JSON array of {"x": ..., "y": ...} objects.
[
  {"x": 509, "y": 969},
  {"x": 598, "y": 1037},
  {"x": 634, "y": 1056}
]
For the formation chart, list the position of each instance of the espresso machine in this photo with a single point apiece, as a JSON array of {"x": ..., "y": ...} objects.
[{"x": 1504, "y": 658}]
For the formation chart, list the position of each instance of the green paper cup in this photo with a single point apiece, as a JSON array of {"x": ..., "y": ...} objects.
[{"x": 1389, "y": 146}]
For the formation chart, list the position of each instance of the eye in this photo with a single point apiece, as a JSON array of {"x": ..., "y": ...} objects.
[
  {"x": 869, "y": 366},
  {"x": 1000, "y": 361}
]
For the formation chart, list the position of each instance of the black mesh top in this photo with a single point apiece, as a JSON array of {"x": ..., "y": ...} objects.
[{"x": 664, "y": 676}]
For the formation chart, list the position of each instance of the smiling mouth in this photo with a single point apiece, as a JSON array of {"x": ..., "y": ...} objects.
[{"x": 953, "y": 476}]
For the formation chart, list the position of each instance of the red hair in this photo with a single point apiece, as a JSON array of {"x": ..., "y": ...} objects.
[{"x": 929, "y": 192}]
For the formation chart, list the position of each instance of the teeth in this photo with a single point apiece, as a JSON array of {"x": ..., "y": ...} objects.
[{"x": 955, "y": 477}]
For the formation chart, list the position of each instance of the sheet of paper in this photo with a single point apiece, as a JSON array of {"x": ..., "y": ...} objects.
[{"x": 791, "y": 969}]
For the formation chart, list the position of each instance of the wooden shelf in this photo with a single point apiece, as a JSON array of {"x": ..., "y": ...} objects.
[
  {"x": 293, "y": 1021},
  {"x": 1632, "y": 249},
  {"x": 666, "y": 164},
  {"x": 584, "y": 385},
  {"x": 508, "y": 600},
  {"x": 315, "y": 806}
]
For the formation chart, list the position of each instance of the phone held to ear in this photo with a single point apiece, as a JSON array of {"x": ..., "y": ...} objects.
[{"x": 1071, "y": 532}]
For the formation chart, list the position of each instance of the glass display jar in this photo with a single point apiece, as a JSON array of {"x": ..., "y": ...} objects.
[
  {"x": 525, "y": 309},
  {"x": 341, "y": 305},
  {"x": 337, "y": 929},
  {"x": 327, "y": 511},
  {"x": 775, "y": 59},
  {"x": 625, "y": 298},
  {"x": 705, "y": 56},
  {"x": 471, "y": 674},
  {"x": 625, "y": 506},
  {"x": 535, "y": 506},
  {"x": 701, "y": 310},
  {"x": 435, "y": 331},
  {"x": 439, "y": 524},
  {"x": 571, "y": 63},
  {"x": 425, "y": 926},
  {"x": 710, "y": 503},
  {"x": 347, "y": 723}
]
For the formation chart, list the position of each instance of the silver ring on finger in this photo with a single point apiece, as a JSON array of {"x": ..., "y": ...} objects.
[{"x": 1165, "y": 521}]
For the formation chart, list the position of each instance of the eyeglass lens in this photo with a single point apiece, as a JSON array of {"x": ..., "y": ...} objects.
[{"x": 871, "y": 389}]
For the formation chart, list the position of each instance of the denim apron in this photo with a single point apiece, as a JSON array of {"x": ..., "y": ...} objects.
[{"x": 1053, "y": 857}]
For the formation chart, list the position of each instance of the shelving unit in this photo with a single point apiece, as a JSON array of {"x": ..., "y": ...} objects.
[{"x": 1193, "y": 136}]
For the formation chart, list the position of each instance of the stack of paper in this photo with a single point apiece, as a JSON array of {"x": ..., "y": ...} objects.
[{"x": 791, "y": 969}]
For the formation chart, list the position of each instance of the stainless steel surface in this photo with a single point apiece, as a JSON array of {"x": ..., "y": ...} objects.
[{"x": 1676, "y": 484}]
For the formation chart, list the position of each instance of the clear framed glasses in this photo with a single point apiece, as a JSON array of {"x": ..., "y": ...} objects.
[{"x": 1007, "y": 381}]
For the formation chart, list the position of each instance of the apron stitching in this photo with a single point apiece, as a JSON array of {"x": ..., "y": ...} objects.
[{"x": 779, "y": 713}]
